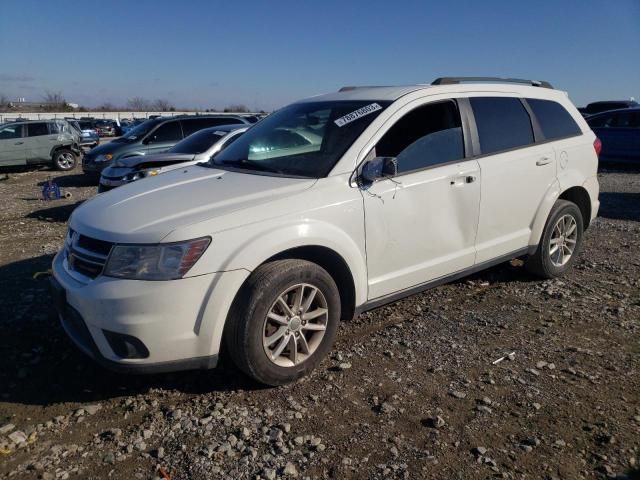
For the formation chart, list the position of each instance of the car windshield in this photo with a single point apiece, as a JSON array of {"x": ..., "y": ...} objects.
[
  {"x": 302, "y": 140},
  {"x": 198, "y": 142},
  {"x": 139, "y": 131}
]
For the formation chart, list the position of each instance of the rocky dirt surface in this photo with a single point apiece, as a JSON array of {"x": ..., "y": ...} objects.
[{"x": 410, "y": 391}]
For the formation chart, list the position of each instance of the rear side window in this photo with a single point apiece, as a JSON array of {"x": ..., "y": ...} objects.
[
  {"x": 553, "y": 118},
  {"x": 167, "y": 132},
  {"x": 600, "y": 121},
  {"x": 37, "y": 129},
  {"x": 503, "y": 123},
  {"x": 427, "y": 136}
]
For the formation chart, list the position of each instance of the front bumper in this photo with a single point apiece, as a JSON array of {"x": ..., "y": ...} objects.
[
  {"x": 173, "y": 320},
  {"x": 112, "y": 176}
]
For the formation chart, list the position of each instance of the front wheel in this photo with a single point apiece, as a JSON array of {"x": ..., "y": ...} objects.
[
  {"x": 283, "y": 321},
  {"x": 560, "y": 243},
  {"x": 64, "y": 160}
]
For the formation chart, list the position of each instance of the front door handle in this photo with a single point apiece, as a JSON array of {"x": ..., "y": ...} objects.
[
  {"x": 543, "y": 161},
  {"x": 18, "y": 143},
  {"x": 463, "y": 180}
]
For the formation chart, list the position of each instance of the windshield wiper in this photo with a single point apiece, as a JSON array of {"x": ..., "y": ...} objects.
[{"x": 249, "y": 164}]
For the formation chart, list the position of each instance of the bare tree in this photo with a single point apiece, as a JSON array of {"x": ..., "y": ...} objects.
[
  {"x": 162, "y": 105},
  {"x": 108, "y": 107},
  {"x": 236, "y": 108},
  {"x": 138, "y": 104},
  {"x": 54, "y": 98}
]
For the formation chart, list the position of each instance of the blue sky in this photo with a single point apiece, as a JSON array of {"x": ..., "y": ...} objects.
[{"x": 266, "y": 54}]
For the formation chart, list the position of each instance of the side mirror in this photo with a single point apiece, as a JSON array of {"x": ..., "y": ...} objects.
[
  {"x": 149, "y": 139},
  {"x": 379, "y": 167}
]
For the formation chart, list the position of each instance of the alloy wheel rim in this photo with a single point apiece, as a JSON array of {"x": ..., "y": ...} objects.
[
  {"x": 295, "y": 325},
  {"x": 65, "y": 160},
  {"x": 564, "y": 237}
]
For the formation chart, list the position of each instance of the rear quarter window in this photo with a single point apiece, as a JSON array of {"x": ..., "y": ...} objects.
[{"x": 553, "y": 118}]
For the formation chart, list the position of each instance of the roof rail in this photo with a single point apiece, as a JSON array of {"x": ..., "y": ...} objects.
[
  {"x": 352, "y": 87},
  {"x": 454, "y": 80}
]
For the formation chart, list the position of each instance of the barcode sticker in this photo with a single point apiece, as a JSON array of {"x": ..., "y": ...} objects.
[{"x": 361, "y": 112}]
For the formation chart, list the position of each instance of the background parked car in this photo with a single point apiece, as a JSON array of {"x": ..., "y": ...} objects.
[
  {"x": 197, "y": 147},
  {"x": 603, "y": 106},
  {"x": 153, "y": 136},
  {"x": 128, "y": 125},
  {"x": 39, "y": 141},
  {"x": 89, "y": 138},
  {"x": 108, "y": 128},
  {"x": 619, "y": 132}
]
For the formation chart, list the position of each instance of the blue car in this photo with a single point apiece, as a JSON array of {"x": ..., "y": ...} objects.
[
  {"x": 619, "y": 132},
  {"x": 88, "y": 136}
]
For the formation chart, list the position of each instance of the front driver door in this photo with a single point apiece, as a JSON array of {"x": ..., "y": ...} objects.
[
  {"x": 12, "y": 149},
  {"x": 421, "y": 225}
]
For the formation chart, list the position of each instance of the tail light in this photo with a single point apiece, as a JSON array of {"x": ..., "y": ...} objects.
[{"x": 597, "y": 146}]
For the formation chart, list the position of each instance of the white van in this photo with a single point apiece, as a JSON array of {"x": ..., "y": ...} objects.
[{"x": 331, "y": 206}]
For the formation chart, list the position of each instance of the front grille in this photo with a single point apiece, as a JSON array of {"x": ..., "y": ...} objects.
[
  {"x": 94, "y": 245},
  {"x": 87, "y": 255}
]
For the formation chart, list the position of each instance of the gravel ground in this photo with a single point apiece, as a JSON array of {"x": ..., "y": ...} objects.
[{"x": 410, "y": 390}]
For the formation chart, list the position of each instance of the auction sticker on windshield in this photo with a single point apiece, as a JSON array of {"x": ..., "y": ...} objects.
[{"x": 361, "y": 112}]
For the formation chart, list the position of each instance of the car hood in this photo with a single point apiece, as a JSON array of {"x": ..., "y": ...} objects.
[
  {"x": 111, "y": 147},
  {"x": 156, "y": 158},
  {"x": 148, "y": 210}
]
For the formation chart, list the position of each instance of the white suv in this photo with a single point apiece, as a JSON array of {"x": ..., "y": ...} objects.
[{"x": 331, "y": 206}]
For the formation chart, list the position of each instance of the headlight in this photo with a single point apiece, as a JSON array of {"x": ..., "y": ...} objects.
[
  {"x": 104, "y": 158},
  {"x": 133, "y": 176},
  {"x": 155, "y": 262}
]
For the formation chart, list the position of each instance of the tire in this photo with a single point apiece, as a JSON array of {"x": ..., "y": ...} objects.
[
  {"x": 543, "y": 262},
  {"x": 64, "y": 160},
  {"x": 248, "y": 328}
]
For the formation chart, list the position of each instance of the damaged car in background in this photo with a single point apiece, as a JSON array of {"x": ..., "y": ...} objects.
[{"x": 197, "y": 147}]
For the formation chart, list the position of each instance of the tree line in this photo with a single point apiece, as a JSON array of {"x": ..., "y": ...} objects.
[{"x": 56, "y": 102}]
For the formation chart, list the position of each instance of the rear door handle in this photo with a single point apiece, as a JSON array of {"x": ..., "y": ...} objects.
[
  {"x": 543, "y": 161},
  {"x": 18, "y": 143}
]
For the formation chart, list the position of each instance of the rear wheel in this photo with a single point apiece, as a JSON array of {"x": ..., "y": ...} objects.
[
  {"x": 284, "y": 321},
  {"x": 560, "y": 243},
  {"x": 64, "y": 160}
]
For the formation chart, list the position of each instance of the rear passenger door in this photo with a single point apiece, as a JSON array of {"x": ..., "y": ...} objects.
[
  {"x": 39, "y": 142},
  {"x": 516, "y": 174},
  {"x": 164, "y": 137}
]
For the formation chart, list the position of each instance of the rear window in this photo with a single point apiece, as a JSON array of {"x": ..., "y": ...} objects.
[
  {"x": 553, "y": 118},
  {"x": 503, "y": 123}
]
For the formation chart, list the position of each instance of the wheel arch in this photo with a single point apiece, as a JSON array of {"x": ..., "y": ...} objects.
[
  {"x": 576, "y": 194},
  {"x": 57, "y": 148},
  {"x": 335, "y": 265},
  {"x": 581, "y": 198}
]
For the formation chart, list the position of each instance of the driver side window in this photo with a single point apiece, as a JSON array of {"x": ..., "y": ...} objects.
[
  {"x": 427, "y": 136},
  {"x": 9, "y": 132}
]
